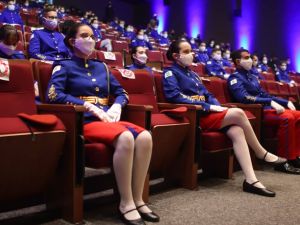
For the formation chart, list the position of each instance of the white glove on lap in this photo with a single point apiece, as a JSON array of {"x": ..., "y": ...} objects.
[
  {"x": 114, "y": 112},
  {"x": 279, "y": 109},
  {"x": 226, "y": 76},
  {"x": 291, "y": 106},
  {"x": 97, "y": 112},
  {"x": 217, "y": 108}
]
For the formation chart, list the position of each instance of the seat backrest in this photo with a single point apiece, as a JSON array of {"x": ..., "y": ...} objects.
[
  {"x": 217, "y": 87},
  {"x": 141, "y": 89},
  {"x": 268, "y": 76},
  {"x": 199, "y": 69},
  {"x": 119, "y": 46},
  {"x": 154, "y": 56},
  {"x": 272, "y": 87},
  {"x": 118, "y": 62},
  {"x": 158, "y": 78},
  {"x": 17, "y": 94},
  {"x": 283, "y": 89}
]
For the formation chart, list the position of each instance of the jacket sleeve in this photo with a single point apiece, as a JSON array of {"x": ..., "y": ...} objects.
[
  {"x": 213, "y": 71},
  {"x": 173, "y": 93},
  {"x": 121, "y": 96},
  {"x": 34, "y": 48},
  {"x": 56, "y": 92}
]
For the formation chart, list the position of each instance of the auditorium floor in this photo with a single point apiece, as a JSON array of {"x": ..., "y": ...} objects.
[{"x": 217, "y": 202}]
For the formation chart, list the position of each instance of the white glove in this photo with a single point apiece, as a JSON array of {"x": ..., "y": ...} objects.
[
  {"x": 217, "y": 108},
  {"x": 291, "y": 106},
  {"x": 114, "y": 112},
  {"x": 97, "y": 112},
  {"x": 292, "y": 83},
  {"x": 279, "y": 109},
  {"x": 226, "y": 76}
]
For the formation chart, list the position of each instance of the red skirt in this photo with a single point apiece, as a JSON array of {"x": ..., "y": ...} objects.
[
  {"x": 107, "y": 132},
  {"x": 212, "y": 121}
]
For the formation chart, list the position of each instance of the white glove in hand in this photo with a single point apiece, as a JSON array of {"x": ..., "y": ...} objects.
[
  {"x": 114, "y": 112},
  {"x": 97, "y": 112},
  {"x": 217, "y": 108},
  {"x": 279, "y": 109},
  {"x": 291, "y": 106},
  {"x": 226, "y": 76}
]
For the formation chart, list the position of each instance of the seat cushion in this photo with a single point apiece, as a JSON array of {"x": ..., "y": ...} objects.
[
  {"x": 162, "y": 119},
  {"x": 98, "y": 155},
  {"x": 14, "y": 125},
  {"x": 214, "y": 141},
  {"x": 249, "y": 115}
]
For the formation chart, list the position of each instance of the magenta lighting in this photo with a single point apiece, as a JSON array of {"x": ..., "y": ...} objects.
[
  {"x": 161, "y": 10},
  {"x": 195, "y": 17}
]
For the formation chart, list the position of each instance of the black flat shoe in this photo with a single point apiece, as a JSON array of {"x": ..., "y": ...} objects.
[
  {"x": 287, "y": 168},
  {"x": 151, "y": 216},
  {"x": 130, "y": 222},
  {"x": 295, "y": 163},
  {"x": 256, "y": 190},
  {"x": 279, "y": 161}
]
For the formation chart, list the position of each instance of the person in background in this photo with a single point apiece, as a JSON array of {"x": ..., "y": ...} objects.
[
  {"x": 141, "y": 41},
  {"x": 264, "y": 64},
  {"x": 214, "y": 66},
  {"x": 9, "y": 39},
  {"x": 282, "y": 74},
  {"x": 194, "y": 44},
  {"x": 109, "y": 12},
  {"x": 106, "y": 43},
  {"x": 154, "y": 33},
  {"x": 115, "y": 23},
  {"x": 164, "y": 39},
  {"x": 81, "y": 81},
  {"x": 201, "y": 56},
  {"x": 210, "y": 46},
  {"x": 255, "y": 70},
  {"x": 129, "y": 32},
  {"x": 11, "y": 14},
  {"x": 181, "y": 85},
  {"x": 226, "y": 58},
  {"x": 48, "y": 43},
  {"x": 245, "y": 88},
  {"x": 139, "y": 59}
]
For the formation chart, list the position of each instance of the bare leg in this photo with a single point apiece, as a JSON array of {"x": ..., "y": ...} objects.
[
  {"x": 237, "y": 117},
  {"x": 122, "y": 162},
  {"x": 141, "y": 161}
]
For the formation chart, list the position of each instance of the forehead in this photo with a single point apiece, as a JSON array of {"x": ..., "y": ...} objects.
[
  {"x": 140, "y": 49},
  {"x": 245, "y": 54},
  {"x": 184, "y": 46},
  {"x": 51, "y": 13},
  {"x": 85, "y": 29}
]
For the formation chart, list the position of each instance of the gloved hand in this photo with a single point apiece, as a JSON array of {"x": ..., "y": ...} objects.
[
  {"x": 217, "y": 108},
  {"x": 291, "y": 106},
  {"x": 279, "y": 109},
  {"x": 97, "y": 112},
  {"x": 114, "y": 112},
  {"x": 226, "y": 75}
]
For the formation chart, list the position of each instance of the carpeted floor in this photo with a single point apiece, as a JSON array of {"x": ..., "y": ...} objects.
[{"x": 217, "y": 202}]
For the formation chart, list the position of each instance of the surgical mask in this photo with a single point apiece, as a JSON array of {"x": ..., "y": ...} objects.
[
  {"x": 141, "y": 58},
  {"x": 283, "y": 68},
  {"x": 26, "y": 4},
  {"x": 85, "y": 45},
  {"x": 192, "y": 41},
  {"x": 246, "y": 64},
  {"x": 122, "y": 25},
  {"x": 50, "y": 24},
  {"x": 165, "y": 35},
  {"x": 62, "y": 10},
  {"x": 128, "y": 29},
  {"x": 186, "y": 59},
  {"x": 140, "y": 36},
  {"x": 265, "y": 61},
  {"x": 212, "y": 44},
  {"x": 7, "y": 49},
  {"x": 255, "y": 63},
  {"x": 202, "y": 48},
  {"x": 11, "y": 7},
  {"x": 227, "y": 55},
  {"x": 217, "y": 57},
  {"x": 95, "y": 25}
]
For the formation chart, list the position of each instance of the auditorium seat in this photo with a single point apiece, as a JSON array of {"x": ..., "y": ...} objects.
[
  {"x": 199, "y": 69},
  {"x": 32, "y": 151},
  {"x": 112, "y": 59},
  {"x": 268, "y": 76},
  {"x": 120, "y": 46},
  {"x": 155, "y": 59}
]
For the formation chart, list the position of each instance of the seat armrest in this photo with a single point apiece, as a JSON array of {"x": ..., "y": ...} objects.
[
  {"x": 138, "y": 114},
  {"x": 59, "y": 108},
  {"x": 162, "y": 106}
]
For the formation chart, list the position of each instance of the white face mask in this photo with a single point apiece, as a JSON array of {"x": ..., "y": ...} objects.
[
  {"x": 50, "y": 24},
  {"x": 227, "y": 55},
  {"x": 26, "y": 4},
  {"x": 186, "y": 59},
  {"x": 192, "y": 41},
  {"x": 7, "y": 49},
  {"x": 85, "y": 45},
  {"x": 95, "y": 25},
  {"x": 217, "y": 57},
  {"x": 140, "y": 36},
  {"x": 246, "y": 64},
  {"x": 165, "y": 35},
  {"x": 212, "y": 44},
  {"x": 254, "y": 63},
  {"x": 141, "y": 58},
  {"x": 202, "y": 48},
  {"x": 265, "y": 61},
  {"x": 11, "y": 7},
  {"x": 122, "y": 25},
  {"x": 283, "y": 68}
]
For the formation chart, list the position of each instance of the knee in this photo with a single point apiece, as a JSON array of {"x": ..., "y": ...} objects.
[
  {"x": 235, "y": 132},
  {"x": 237, "y": 113},
  {"x": 126, "y": 141},
  {"x": 145, "y": 137}
]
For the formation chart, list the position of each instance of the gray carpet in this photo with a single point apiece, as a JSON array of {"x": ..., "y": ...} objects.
[{"x": 217, "y": 202}]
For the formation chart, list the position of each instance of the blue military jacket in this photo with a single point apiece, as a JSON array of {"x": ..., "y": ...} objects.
[
  {"x": 15, "y": 55},
  {"x": 201, "y": 57},
  {"x": 215, "y": 68},
  {"x": 181, "y": 85},
  {"x": 11, "y": 17},
  {"x": 47, "y": 45},
  {"x": 135, "y": 66},
  {"x": 283, "y": 76},
  {"x": 256, "y": 73},
  {"x": 97, "y": 33},
  {"x": 263, "y": 67},
  {"x": 138, "y": 42},
  {"x": 74, "y": 80},
  {"x": 245, "y": 88}
]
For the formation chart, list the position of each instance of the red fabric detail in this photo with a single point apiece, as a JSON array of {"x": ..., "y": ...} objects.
[
  {"x": 14, "y": 125},
  {"x": 119, "y": 46},
  {"x": 103, "y": 132},
  {"x": 118, "y": 62},
  {"x": 212, "y": 121},
  {"x": 199, "y": 69},
  {"x": 212, "y": 141},
  {"x": 217, "y": 87},
  {"x": 176, "y": 113},
  {"x": 249, "y": 115},
  {"x": 98, "y": 155},
  {"x": 159, "y": 87},
  {"x": 162, "y": 119},
  {"x": 288, "y": 132},
  {"x": 45, "y": 71},
  {"x": 268, "y": 76},
  {"x": 39, "y": 120},
  {"x": 154, "y": 56}
]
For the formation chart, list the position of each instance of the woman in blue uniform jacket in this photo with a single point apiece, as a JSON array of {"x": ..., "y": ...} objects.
[
  {"x": 9, "y": 39},
  {"x": 82, "y": 81},
  {"x": 181, "y": 85}
]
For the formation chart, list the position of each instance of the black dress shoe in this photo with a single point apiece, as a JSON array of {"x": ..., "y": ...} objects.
[
  {"x": 256, "y": 190},
  {"x": 295, "y": 163},
  {"x": 279, "y": 161},
  {"x": 130, "y": 222},
  {"x": 287, "y": 168},
  {"x": 151, "y": 216}
]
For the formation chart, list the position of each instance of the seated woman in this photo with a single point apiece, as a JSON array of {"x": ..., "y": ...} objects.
[
  {"x": 139, "y": 59},
  {"x": 181, "y": 85},
  {"x": 82, "y": 81},
  {"x": 9, "y": 39}
]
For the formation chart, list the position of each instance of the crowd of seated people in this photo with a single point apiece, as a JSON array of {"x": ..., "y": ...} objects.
[{"x": 70, "y": 40}]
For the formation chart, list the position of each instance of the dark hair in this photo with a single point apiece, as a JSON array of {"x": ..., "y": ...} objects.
[
  {"x": 174, "y": 48},
  {"x": 237, "y": 54},
  {"x": 134, "y": 51},
  {"x": 92, "y": 21},
  {"x": 253, "y": 55},
  {"x": 66, "y": 26},
  {"x": 216, "y": 50},
  {"x": 72, "y": 33},
  {"x": 49, "y": 8},
  {"x": 8, "y": 30},
  {"x": 281, "y": 62}
]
